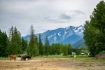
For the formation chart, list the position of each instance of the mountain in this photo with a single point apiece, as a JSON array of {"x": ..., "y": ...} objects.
[{"x": 70, "y": 35}]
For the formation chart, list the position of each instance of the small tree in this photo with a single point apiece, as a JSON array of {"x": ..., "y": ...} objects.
[
  {"x": 32, "y": 49},
  {"x": 66, "y": 49},
  {"x": 40, "y": 44},
  {"x": 46, "y": 50}
]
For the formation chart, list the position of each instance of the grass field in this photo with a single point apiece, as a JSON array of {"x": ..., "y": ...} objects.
[{"x": 54, "y": 63}]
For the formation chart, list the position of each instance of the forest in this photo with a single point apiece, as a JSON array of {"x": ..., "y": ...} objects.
[{"x": 14, "y": 44}]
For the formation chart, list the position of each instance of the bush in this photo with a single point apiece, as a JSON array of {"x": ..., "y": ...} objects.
[
  {"x": 101, "y": 55},
  {"x": 103, "y": 52}
]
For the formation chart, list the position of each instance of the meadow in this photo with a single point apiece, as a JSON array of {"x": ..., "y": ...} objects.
[{"x": 55, "y": 62}]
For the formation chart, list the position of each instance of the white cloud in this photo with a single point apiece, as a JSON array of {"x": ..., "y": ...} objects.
[{"x": 44, "y": 14}]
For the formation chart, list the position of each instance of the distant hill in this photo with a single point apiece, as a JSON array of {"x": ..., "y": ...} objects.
[{"x": 70, "y": 35}]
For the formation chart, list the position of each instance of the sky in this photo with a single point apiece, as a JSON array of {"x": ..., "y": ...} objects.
[{"x": 44, "y": 14}]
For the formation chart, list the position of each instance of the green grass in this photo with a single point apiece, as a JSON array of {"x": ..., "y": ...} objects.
[
  {"x": 69, "y": 58},
  {"x": 3, "y": 58}
]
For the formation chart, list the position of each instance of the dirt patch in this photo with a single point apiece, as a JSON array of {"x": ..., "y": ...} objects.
[{"x": 50, "y": 64}]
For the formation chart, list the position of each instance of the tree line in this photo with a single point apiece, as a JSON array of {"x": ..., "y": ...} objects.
[{"x": 15, "y": 44}]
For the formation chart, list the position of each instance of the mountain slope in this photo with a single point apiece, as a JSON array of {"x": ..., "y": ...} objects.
[{"x": 70, "y": 35}]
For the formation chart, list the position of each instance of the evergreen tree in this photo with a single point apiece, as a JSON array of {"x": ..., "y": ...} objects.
[
  {"x": 58, "y": 49},
  {"x": 3, "y": 44},
  {"x": 69, "y": 49},
  {"x": 55, "y": 49},
  {"x": 65, "y": 49},
  {"x": 94, "y": 33},
  {"x": 24, "y": 45},
  {"x": 47, "y": 46},
  {"x": 32, "y": 49},
  {"x": 41, "y": 48},
  {"x": 14, "y": 41}
]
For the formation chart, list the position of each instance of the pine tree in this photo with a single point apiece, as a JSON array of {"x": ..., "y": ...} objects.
[
  {"x": 24, "y": 45},
  {"x": 94, "y": 33},
  {"x": 46, "y": 51},
  {"x": 3, "y": 44},
  {"x": 56, "y": 49},
  {"x": 15, "y": 46},
  {"x": 41, "y": 48},
  {"x": 32, "y": 49}
]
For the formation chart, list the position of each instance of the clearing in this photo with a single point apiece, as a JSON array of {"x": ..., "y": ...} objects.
[{"x": 54, "y": 64}]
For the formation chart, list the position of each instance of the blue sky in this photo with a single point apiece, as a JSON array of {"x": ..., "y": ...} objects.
[{"x": 44, "y": 14}]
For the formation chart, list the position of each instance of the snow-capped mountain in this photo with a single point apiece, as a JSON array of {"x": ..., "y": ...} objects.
[{"x": 70, "y": 35}]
